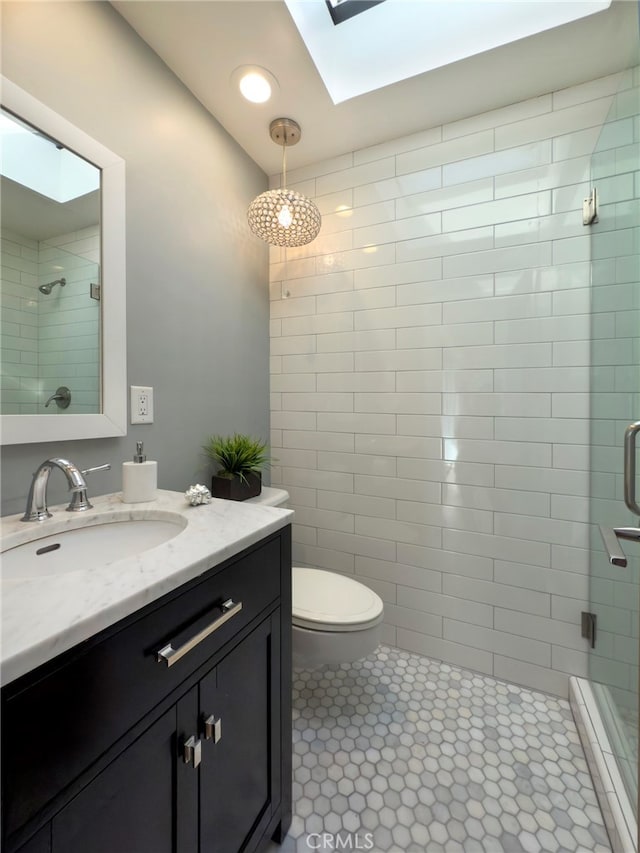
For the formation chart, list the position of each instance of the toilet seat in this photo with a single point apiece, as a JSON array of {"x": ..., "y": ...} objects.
[{"x": 327, "y": 601}]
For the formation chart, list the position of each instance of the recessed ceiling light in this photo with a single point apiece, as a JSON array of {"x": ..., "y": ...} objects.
[
  {"x": 255, "y": 87},
  {"x": 256, "y": 84}
]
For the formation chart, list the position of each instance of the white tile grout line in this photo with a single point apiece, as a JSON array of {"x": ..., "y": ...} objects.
[{"x": 616, "y": 808}]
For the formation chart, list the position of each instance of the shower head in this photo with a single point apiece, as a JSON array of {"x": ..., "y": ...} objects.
[{"x": 47, "y": 288}]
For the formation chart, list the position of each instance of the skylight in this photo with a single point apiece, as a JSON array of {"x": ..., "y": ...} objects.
[
  {"x": 342, "y": 10},
  {"x": 37, "y": 162},
  {"x": 398, "y": 39}
]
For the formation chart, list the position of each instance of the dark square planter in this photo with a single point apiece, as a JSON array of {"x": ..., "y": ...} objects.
[{"x": 235, "y": 489}]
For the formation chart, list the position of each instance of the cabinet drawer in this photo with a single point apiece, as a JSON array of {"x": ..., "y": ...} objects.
[{"x": 64, "y": 720}]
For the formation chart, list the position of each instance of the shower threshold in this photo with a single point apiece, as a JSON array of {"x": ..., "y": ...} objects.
[{"x": 618, "y": 812}]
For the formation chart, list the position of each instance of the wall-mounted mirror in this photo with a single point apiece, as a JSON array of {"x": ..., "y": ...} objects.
[{"x": 62, "y": 279}]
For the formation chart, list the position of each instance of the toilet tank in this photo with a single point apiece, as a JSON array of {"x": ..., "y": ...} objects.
[{"x": 270, "y": 497}]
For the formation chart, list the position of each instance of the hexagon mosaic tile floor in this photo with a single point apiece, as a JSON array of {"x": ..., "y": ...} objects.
[{"x": 400, "y": 753}]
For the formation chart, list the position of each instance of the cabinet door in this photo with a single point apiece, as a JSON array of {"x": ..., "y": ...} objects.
[
  {"x": 131, "y": 806},
  {"x": 94, "y": 694},
  {"x": 236, "y": 774}
]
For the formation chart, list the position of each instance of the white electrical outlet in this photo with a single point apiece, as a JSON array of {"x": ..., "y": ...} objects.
[{"x": 141, "y": 404}]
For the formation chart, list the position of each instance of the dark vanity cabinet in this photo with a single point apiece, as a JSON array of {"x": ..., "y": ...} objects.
[{"x": 169, "y": 732}]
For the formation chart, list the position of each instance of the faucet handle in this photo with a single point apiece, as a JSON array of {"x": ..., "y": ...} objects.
[
  {"x": 106, "y": 467},
  {"x": 62, "y": 396},
  {"x": 79, "y": 500}
]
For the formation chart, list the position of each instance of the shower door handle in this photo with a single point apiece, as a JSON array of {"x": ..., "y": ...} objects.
[
  {"x": 630, "y": 467},
  {"x": 611, "y": 538}
]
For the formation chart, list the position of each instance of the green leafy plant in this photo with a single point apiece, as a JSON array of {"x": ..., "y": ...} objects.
[{"x": 237, "y": 454}]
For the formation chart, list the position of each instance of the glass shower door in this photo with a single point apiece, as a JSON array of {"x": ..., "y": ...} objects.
[{"x": 614, "y": 590}]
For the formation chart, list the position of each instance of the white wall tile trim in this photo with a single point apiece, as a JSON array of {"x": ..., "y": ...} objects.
[{"x": 432, "y": 378}]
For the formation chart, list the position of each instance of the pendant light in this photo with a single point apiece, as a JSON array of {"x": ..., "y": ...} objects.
[{"x": 284, "y": 217}]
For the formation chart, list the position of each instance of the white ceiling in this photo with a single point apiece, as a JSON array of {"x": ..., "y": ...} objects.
[{"x": 204, "y": 41}]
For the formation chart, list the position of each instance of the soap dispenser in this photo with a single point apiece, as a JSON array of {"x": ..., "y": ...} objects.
[{"x": 139, "y": 478}]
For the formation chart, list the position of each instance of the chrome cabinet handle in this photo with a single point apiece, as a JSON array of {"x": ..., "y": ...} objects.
[
  {"x": 611, "y": 537},
  {"x": 630, "y": 467},
  {"x": 169, "y": 655},
  {"x": 213, "y": 728},
  {"x": 192, "y": 751}
]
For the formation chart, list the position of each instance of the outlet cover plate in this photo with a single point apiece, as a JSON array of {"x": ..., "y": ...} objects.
[{"x": 141, "y": 404}]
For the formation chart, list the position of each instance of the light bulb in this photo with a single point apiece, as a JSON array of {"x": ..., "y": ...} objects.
[
  {"x": 255, "y": 87},
  {"x": 284, "y": 216}
]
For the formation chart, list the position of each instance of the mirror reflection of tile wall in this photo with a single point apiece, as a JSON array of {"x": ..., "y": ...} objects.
[{"x": 50, "y": 340}]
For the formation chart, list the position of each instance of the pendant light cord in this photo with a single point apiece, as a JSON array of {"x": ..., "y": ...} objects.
[{"x": 284, "y": 161}]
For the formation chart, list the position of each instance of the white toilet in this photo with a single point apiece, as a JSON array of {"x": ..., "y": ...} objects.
[{"x": 335, "y": 619}]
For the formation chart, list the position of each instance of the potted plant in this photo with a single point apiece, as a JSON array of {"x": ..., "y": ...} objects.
[{"x": 240, "y": 459}]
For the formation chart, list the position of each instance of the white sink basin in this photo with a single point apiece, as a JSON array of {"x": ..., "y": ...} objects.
[{"x": 87, "y": 547}]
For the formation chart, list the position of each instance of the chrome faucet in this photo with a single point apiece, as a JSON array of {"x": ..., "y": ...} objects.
[{"x": 37, "y": 500}]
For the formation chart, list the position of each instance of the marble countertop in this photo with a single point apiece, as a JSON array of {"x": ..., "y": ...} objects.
[{"x": 44, "y": 616}]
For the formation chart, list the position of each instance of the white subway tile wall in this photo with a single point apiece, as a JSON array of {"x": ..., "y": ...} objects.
[
  {"x": 50, "y": 340},
  {"x": 432, "y": 383},
  {"x": 69, "y": 323},
  {"x": 19, "y": 329}
]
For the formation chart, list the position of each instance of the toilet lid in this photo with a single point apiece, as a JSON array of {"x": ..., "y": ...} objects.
[{"x": 323, "y": 599}]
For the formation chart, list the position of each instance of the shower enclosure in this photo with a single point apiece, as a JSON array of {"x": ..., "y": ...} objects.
[
  {"x": 614, "y": 590},
  {"x": 51, "y": 317}
]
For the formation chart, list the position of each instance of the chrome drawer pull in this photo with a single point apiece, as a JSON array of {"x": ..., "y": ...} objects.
[
  {"x": 213, "y": 728},
  {"x": 169, "y": 655},
  {"x": 192, "y": 751}
]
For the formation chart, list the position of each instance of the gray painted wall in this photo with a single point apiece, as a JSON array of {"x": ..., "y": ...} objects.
[{"x": 197, "y": 292}]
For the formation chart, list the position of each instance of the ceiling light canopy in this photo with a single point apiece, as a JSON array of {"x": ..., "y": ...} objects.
[{"x": 284, "y": 217}]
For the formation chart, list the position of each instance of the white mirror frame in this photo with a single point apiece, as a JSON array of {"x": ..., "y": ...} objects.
[{"x": 112, "y": 421}]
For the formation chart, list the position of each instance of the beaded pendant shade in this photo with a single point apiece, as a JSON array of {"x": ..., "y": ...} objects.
[{"x": 284, "y": 217}]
